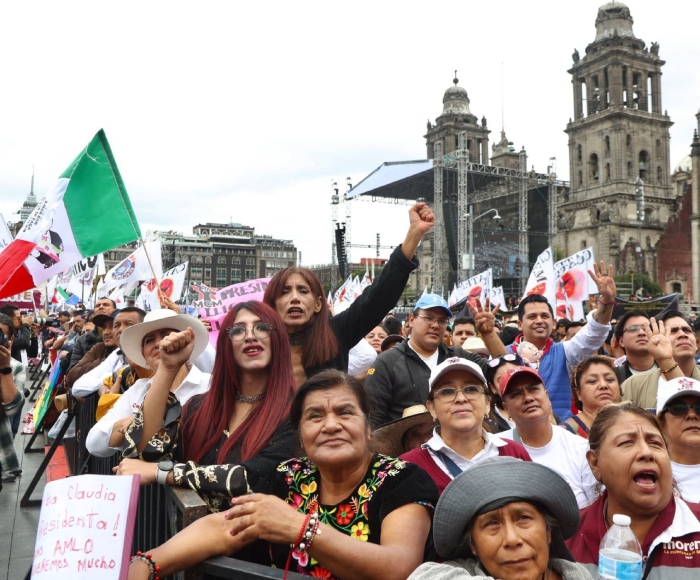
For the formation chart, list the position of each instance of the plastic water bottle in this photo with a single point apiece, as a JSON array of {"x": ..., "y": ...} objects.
[{"x": 620, "y": 555}]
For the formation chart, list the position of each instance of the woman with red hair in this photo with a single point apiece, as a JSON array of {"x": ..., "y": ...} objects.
[
  {"x": 319, "y": 340},
  {"x": 236, "y": 433}
]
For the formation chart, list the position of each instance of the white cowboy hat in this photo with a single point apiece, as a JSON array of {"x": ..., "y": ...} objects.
[{"x": 131, "y": 339}]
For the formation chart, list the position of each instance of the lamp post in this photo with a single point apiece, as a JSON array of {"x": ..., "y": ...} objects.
[{"x": 470, "y": 227}]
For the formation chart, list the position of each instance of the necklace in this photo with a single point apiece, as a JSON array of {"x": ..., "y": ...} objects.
[
  {"x": 297, "y": 338},
  {"x": 249, "y": 399}
]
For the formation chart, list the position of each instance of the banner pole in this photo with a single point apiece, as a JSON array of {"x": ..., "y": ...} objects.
[{"x": 148, "y": 257}]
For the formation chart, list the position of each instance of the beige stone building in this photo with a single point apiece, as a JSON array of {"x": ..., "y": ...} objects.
[{"x": 618, "y": 144}]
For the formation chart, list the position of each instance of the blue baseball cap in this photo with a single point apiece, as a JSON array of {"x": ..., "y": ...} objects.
[{"x": 433, "y": 301}]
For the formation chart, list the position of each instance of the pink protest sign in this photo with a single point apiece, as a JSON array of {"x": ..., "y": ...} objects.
[
  {"x": 214, "y": 304},
  {"x": 85, "y": 528}
]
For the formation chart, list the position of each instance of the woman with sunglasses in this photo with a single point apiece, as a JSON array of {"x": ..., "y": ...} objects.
[
  {"x": 679, "y": 416},
  {"x": 498, "y": 418},
  {"x": 236, "y": 433},
  {"x": 458, "y": 400}
]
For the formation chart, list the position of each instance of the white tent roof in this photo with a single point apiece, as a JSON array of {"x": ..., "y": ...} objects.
[{"x": 388, "y": 173}]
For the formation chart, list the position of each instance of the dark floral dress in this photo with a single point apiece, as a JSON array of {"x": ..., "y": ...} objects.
[
  {"x": 388, "y": 485},
  {"x": 216, "y": 484}
]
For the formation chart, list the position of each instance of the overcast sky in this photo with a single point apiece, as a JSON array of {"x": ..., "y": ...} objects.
[{"x": 246, "y": 111}]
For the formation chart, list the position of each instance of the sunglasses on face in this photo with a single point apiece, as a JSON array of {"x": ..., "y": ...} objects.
[
  {"x": 238, "y": 332},
  {"x": 681, "y": 409}
]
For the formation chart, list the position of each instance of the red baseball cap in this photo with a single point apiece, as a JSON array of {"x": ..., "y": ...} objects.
[{"x": 505, "y": 381}]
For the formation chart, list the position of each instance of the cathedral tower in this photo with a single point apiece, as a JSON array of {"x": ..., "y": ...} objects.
[{"x": 621, "y": 195}]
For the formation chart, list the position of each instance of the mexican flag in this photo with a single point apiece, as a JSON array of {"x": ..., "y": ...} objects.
[{"x": 85, "y": 213}]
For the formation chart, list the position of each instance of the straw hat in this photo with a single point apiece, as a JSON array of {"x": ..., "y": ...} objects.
[{"x": 387, "y": 438}]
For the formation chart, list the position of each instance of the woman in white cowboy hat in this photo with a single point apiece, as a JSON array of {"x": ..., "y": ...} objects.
[{"x": 164, "y": 342}]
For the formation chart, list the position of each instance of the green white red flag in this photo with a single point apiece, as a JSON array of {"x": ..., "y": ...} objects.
[{"x": 86, "y": 212}]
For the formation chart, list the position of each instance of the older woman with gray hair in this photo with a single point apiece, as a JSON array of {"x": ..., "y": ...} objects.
[{"x": 506, "y": 519}]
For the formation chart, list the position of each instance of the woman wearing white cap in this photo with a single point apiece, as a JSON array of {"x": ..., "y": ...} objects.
[
  {"x": 164, "y": 342},
  {"x": 679, "y": 415},
  {"x": 458, "y": 400}
]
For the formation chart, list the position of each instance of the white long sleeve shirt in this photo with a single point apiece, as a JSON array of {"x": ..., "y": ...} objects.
[{"x": 196, "y": 382}]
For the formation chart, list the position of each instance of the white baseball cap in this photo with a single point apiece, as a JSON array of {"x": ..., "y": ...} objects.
[
  {"x": 674, "y": 389},
  {"x": 453, "y": 364}
]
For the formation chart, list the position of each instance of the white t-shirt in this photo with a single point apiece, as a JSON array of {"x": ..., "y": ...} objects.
[
  {"x": 431, "y": 361},
  {"x": 688, "y": 480},
  {"x": 566, "y": 454}
]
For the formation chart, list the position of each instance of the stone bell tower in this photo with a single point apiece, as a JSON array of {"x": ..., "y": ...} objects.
[{"x": 621, "y": 194}]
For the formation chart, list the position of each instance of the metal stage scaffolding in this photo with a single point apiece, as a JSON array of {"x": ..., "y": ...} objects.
[{"x": 434, "y": 180}]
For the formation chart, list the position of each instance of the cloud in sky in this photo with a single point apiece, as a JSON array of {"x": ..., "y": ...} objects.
[{"x": 247, "y": 111}]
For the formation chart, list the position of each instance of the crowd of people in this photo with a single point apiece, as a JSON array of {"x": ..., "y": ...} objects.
[{"x": 478, "y": 446}]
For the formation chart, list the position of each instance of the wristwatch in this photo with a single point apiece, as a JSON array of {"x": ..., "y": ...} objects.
[
  {"x": 164, "y": 468},
  {"x": 5, "y": 370}
]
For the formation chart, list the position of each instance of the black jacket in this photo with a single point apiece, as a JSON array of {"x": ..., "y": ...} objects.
[
  {"x": 22, "y": 341},
  {"x": 82, "y": 345},
  {"x": 369, "y": 309},
  {"x": 399, "y": 379}
]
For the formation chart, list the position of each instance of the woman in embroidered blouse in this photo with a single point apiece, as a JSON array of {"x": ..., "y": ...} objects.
[
  {"x": 374, "y": 511},
  {"x": 458, "y": 400},
  {"x": 594, "y": 384},
  {"x": 231, "y": 437}
]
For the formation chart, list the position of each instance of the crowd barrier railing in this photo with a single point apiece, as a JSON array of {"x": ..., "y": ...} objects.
[{"x": 162, "y": 510}]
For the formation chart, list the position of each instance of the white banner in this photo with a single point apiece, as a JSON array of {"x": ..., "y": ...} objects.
[
  {"x": 135, "y": 267},
  {"x": 83, "y": 275},
  {"x": 542, "y": 280},
  {"x": 574, "y": 284},
  {"x": 5, "y": 235},
  {"x": 498, "y": 297},
  {"x": 171, "y": 286},
  {"x": 478, "y": 286}
]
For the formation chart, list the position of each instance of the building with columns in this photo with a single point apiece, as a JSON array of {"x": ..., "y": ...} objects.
[{"x": 618, "y": 147}]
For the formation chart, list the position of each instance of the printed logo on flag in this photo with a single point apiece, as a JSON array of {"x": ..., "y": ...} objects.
[
  {"x": 125, "y": 269},
  {"x": 48, "y": 249}
]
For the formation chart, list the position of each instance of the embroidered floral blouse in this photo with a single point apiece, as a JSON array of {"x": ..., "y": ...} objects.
[{"x": 388, "y": 485}]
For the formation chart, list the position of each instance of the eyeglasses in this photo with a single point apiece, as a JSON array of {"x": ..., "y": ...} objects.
[
  {"x": 432, "y": 320},
  {"x": 449, "y": 394},
  {"x": 531, "y": 390},
  {"x": 238, "y": 332},
  {"x": 681, "y": 409},
  {"x": 635, "y": 328},
  {"x": 496, "y": 361}
]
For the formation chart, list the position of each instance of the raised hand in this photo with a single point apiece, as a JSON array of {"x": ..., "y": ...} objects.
[
  {"x": 421, "y": 218},
  {"x": 660, "y": 344},
  {"x": 176, "y": 349},
  {"x": 484, "y": 317},
  {"x": 603, "y": 279}
]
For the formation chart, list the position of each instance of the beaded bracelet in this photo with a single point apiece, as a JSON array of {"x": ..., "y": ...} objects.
[
  {"x": 309, "y": 533},
  {"x": 152, "y": 568}
]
